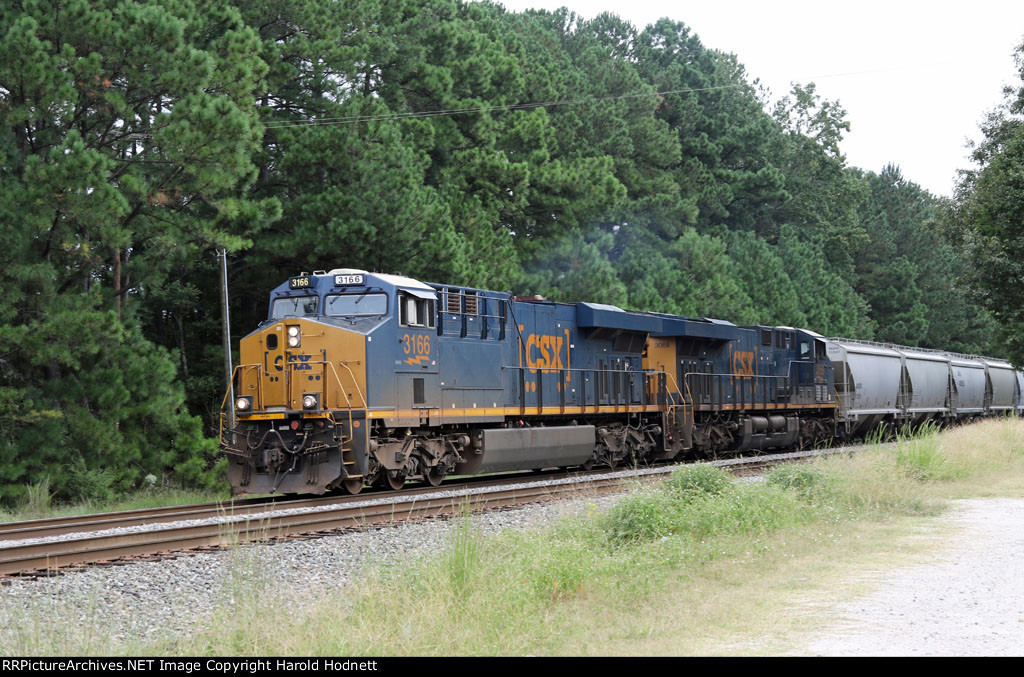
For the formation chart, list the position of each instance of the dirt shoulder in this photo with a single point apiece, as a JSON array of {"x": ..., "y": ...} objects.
[{"x": 967, "y": 599}]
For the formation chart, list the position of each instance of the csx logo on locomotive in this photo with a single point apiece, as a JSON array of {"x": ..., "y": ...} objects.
[
  {"x": 545, "y": 352},
  {"x": 743, "y": 363},
  {"x": 292, "y": 359}
]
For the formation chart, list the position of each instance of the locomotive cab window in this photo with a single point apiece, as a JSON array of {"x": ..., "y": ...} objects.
[
  {"x": 294, "y": 306},
  {"x": 414, "y": 311},
  {"x": 350, "y": 305}
]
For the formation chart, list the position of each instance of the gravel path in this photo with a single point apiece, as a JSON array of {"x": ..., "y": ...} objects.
[{"x": 967, "y": 601}]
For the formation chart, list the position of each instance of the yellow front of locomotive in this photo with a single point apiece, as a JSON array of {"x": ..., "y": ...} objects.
[{"x": 300, "y": 395}]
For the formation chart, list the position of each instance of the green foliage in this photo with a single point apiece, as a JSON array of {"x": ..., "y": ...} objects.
[
  {"x": 576, "y": 268},
  {"x": 463, "y": 556},
  {"x": 811, "y": 483},
  {"x": 138, "y": 136},
  {"x": 834, "y": 308},
  {"x": 702, "y": 507},
  {"x": 749, "y": 509},
  {"x": 823, "y": 193},
  {"x": 697, "y": 480},
  {"x": 87, "y": 484},
  {"x": 642, "y": 517},
  {"x": 988, "y": 216},
  {"x": 919, "y": 454},
  {"x": 691, "y": 276},
  {"x": 126, "y": 137},
  {"x": 726, "y": 170},
  {"x": 37, "y": 499},
  {"x": 765, "y": 280}
]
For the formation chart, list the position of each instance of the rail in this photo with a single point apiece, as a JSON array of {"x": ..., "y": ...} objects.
[{"x": 260, "y": 523}]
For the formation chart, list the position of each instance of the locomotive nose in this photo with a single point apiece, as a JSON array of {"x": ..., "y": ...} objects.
[
  {"x": 303, "y": 365},
  {"x": 304, "y": 385}
]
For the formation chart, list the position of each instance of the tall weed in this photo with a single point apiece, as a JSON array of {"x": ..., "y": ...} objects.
[
  {"x": 692, "y": 481},
  {"x": 38, "y": 499},
  {"x": 921, "y": 457},
  {"x": 463, "y": 557},
  {"x": 812, "y": 483},
  {"x": 643, "y": 517},
  {"x": 695, "y": 502}
]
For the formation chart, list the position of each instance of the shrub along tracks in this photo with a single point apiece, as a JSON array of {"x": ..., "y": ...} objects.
[{"x": 182, "y": 528}]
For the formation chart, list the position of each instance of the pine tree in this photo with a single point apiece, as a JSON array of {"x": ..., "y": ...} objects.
[{"x": 126, "y": 136}]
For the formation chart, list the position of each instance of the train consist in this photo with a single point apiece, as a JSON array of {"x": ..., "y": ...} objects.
[{"x": 360, "y": 379}]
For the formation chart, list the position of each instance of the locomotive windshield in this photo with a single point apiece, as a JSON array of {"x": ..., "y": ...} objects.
[
  {"x": 349, "y": 305},
  {"x": 294, "y": 306}
]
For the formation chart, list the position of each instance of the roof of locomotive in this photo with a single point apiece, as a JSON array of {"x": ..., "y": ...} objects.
[
  {"x": 395, "y": 280},
  {"x": 588, "y": 314}
]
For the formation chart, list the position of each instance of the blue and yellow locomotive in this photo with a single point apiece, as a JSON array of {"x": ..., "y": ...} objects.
[{"x": 360, "y": 378}]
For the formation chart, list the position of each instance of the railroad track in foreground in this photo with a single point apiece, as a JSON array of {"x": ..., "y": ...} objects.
[
  {"x": 59, "y": 526},
  {"x": 305, "y": 517}
]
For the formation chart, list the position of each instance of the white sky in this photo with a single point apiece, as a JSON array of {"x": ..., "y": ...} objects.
[{"x": 916, "y": 78}]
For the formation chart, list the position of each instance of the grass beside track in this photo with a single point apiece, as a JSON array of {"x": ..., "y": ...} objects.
[
  {"x": 703, "y": 565},
  {"x": 40, "y": 506}
]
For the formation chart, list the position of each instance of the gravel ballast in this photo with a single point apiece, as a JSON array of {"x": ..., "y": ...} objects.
[{"x": 141, "y": 602}]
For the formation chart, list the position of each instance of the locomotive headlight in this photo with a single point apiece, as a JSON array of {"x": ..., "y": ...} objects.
[
  {"x": 243, "y": 403},
  {"x": 294, "y": 337},
  {"x": 310, "y": 402},
  {"x": 293, "y": 331}
]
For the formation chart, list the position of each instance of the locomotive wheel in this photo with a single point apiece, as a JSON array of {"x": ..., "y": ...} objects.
[
  {"x": 395, "y": 483},
  {"x": 434, "y": 477},
  {"x": 353, "y": 486}
]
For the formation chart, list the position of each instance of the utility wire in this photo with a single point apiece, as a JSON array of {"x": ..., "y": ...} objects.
[{"x": 285, "y": 124}]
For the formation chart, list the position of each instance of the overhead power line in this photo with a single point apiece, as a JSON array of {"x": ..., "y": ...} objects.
[{"x": 284, "y": 124}]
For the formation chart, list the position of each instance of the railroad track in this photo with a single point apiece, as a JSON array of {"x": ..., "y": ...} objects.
[
  {"x": 260, "y": 520},
  {"x": 59, "y": 526}
]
